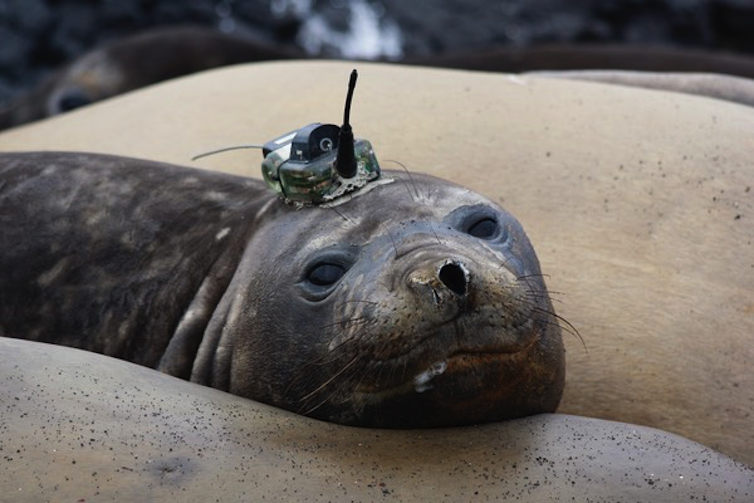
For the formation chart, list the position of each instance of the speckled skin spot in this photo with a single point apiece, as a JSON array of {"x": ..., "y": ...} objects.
[
  {"x": 204, "y": 276},
  {"x": 79, "y": 426}
]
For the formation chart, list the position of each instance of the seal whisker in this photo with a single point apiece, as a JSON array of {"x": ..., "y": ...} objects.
[
  {"x": 320, "y": 361},
  {"x": 343, "y": 216},
  {"x": 325, "y": 400},
  {"x": 411, "y": 178},
  {"x": 363, "y": 326},
  {"x": 543, "y": 292},
  {"x": 408, "y": 189},
  {"x": 432, "y": 227},
  {"x": 345, "y": 382},
  {"x": 331, "y": 379},
  {"x": 538, "y": 294},
  {"x": 569, "y": 328},
  {"x": 330, "y": 357},
  {"x": 526, "y": 276},
  {"x": 403, "y": 372},
  {"x": 503, "y": 264},
  {"x": 364, "y": 374},
  {"x": 391, "y": 238},
  {"x": 358, "y": 336},
  {"x": 535, "y": 296},
  {"x": 379, "y": 374},
  {"x": 391, "y": 374},
  {"x": 346, "y": 321},
  {"x": 362, "y": 301}
]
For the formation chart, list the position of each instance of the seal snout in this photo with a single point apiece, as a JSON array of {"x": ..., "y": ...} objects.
[
  {"x": 455, "y": 277},
  {"x": 444, "y": 285}
]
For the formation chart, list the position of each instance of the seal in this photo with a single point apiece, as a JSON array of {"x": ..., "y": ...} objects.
[
  {"x": 651, "y": 58},
  {"x": 721, "y": 87},
  {"x": 416, "y": 304},
  {"x": 134, "y": 62},
  {"x": 82, "y": 426}
]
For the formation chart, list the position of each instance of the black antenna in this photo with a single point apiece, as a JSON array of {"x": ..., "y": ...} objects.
[{"x": 345, "y": 162}]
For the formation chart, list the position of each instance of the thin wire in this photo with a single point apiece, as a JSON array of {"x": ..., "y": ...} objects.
[{"x": 218, "y": 151}]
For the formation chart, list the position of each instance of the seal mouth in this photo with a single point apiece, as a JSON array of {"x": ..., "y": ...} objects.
[
  {"x": 457, "y": 363},
  {"x": 455, "y": 337},
  {"x": 423, "y": 380}
]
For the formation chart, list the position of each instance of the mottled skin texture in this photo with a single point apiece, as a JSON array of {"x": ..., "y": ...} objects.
[
  {"x": 207, "y": 276},
  {"x": 79, "y": 426},
  {"x": 100, "y": 248}
]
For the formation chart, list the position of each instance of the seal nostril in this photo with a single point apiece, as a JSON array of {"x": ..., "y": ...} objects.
[{"x": 454, "y": 277}]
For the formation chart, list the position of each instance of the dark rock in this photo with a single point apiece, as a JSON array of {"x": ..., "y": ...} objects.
[
  {"x": 14, "y": 49},
  {"x": 37, "y": 36}
]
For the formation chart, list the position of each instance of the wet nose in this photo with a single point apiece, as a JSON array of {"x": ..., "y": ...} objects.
[{"x": 454, "y": 276}]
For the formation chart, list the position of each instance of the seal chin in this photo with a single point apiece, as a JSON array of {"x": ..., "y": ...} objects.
[
  {"x": 465, "y": 372},
  {"x": 463, "y": 389}
]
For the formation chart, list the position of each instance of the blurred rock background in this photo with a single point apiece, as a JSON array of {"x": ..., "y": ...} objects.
[{"x": 38, "y": 36}]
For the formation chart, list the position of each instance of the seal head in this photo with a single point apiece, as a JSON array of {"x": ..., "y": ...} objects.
[{"x": 418, "y": 304}]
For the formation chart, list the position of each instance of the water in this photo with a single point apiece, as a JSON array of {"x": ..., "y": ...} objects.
[{"x": 369, "y": 34}]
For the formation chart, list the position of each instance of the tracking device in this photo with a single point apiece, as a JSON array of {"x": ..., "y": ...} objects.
[{"x": 317, "y": 163}]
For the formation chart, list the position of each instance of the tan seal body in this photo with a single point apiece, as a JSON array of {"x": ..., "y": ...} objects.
[
  {"x": 722, "y": 87},
  {"x": 640, "y": 202},
  {"x": 80, "y": 426}
]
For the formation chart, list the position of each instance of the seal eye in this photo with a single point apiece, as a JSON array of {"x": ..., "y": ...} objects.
[
  {"x": 325, "y": 274},
  {"x": 484, "y": 228},
  {"x": 72, "y": 100}
]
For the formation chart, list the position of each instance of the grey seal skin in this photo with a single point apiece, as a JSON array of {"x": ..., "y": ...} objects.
[
  {"x": 81, "y": 426},
  {"x": 416, "y": 304}
]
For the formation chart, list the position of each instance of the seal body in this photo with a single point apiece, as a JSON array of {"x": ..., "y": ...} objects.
[
  {"x": 640, "y": 215},
  {"x": 418, "y": 303},
  {"x": 149, "y": 437}
]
